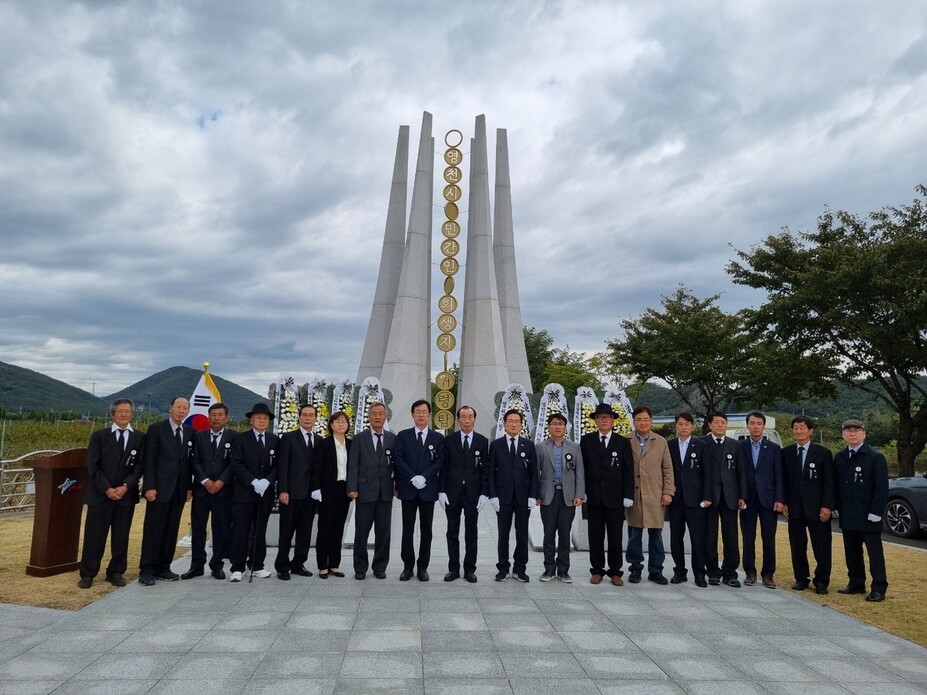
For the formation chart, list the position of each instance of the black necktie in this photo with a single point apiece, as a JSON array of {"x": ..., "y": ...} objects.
[
  {"x": 178, "y": 437},
  {"x": 421, "y": 441},
  {"x": 512, "y": 446},
  {"x": 719, "y": 441},
  {"x": 261, "y": 440},
  {"x": 379, "y": 446},
  {"x": 309, "y": 441},
  {"x": 851, "y": 453},
  {"x": 466, "y": 443},
  {"x": 604, "y": 445},
  {"x": 801, "y": 457},
  {"x": 215, "y": 442},
  {"x": 122, "y": 440}
]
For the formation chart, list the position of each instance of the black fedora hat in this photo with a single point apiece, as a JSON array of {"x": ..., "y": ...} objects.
[
  {"x": 602, "y": 409},
  {"x": 260, "y": 409}
]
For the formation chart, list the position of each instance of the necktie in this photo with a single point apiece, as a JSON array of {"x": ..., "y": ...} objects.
[
  {"x": 801, "y": 457},
  {"x": 421, "y": 442},
  {"x": 719, "y": 441},
  {"x": 309, "y": 441},
  {"x": 466, "y": 443},
  {"x": 851, "y": 453},
  {"x": 178, "y": 437},
  {"x": 122, "y": 440},
  {"x": 604, "y": 445},
  {"x": 379, "y": 446},
  {"x": 215, "y": 442},
  {"x": 512, "y": 446},
  {"x": 261, "y": 440}
]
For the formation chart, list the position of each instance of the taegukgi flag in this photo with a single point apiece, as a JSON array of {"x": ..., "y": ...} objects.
[{"x": 204, "y": 395}]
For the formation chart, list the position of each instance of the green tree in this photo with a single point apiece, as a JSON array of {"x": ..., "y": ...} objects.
[
  {"x": 539, "y": 347},
  {"x": 551, "y": 365},
  {"x": 855, "y": 294}
]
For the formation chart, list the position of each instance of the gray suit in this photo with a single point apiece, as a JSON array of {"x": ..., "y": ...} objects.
[
  {"x": 557, "y": 510},
  {"x": 370, "y": 475}
]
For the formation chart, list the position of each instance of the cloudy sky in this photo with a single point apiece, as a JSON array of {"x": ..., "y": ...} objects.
[{"x": 183, "y": 182}]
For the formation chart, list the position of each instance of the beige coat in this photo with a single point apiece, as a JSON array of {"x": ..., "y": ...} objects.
[{"x": 653, "y": 478}]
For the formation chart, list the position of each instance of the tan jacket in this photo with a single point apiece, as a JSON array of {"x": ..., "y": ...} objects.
[{"x": 653, "y": 478}]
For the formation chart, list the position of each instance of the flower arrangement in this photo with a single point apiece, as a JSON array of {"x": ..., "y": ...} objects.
[
  {"x": 369, "y": 393},
  {"x": 286, "y": 412},
  {"x": 553, "y": 401},
  {"x": 315, "y": 395},
  {"x": 515, "y": 398},
  {"x": 621, "y": 405},
  {"x": 584, "y": 406}
]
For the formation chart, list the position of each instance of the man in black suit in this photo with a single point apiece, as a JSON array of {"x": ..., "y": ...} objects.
[
  {"x": 694, "y": 490},
  {"x": 763, "y": 467},
  {"x": 462, "y": 489},
  {"x": 513, "y": 490},
  {"x": 609, "y": 469},
  {"x": 114, "y": 465},
  {"x": 168, "y": 480},
  {"x": 418, "y": 462},
  {"x": 298, "y": 450},
  {"x": 727, "y": 499},
  {"x": 212, "y": 493},
  {"x": 810, "y": 494},
  {"x": 254, "y": 464},
  {"x": 862, "y": 492},
  {"x": 370, "y": 485}
]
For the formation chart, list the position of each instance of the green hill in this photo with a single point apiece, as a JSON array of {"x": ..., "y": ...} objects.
[{"x": 27, "y": 391}]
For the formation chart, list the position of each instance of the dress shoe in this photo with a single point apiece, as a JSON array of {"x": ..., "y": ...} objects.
[
  {"x": 451, "y": 576},
  {"x": 301, "y": 571},
  {"x": 284, "y": 576},
  {"x": 235, "y": 577},
  {"x": 750, "y": 579},
  {"x": 380, "y": 575},
  {"x": 801, "y": 585},
  {"x": 146, "y": 580},
  {"x": 701, "y": 583},
  {"x": 406, "y": 574},
  {"x": 423, "y": 576},
  {"x": 522, "y": 577},
  {"x": 547, "y": 576},
  {"x": 852, "y": 590},
  {"x": 85, "y": 583},
  {"x": 635, "y": 577},
  {"x": 360, "y": 576},
  {"x": 714, "y": 581},
  {"x": 732, "y": 582},
  {"x": 168, "y": 576},
  {"x": 595, "y": 579},
  {"x": 657, "y": 578},
  {"x": 679, "y": 579},
  {"x": 768, "y": 582},
  {"x": 261, "y": 573},
  {"x": 218, "y": 574},
  {"x": 191, "y": 573},
  {"x": 502, "y": 575},
  {"x": 565, "y": 578},
  {"x": 617, "y": 580},
  {"x": 820, "y": 590},
  {"x": 116, "y": 579},
  {"x": 323, "y": 574},
  {"x": 875, "y": 597},
  {"x": 470, "y": 577},
  {"x": 336, "y": 573}
]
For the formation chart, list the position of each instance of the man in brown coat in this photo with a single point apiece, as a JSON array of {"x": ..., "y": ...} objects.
[{"x": 654, "y": 488}]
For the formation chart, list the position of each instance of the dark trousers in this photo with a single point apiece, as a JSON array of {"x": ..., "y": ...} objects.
[
  {"x": 426, "y": 514},
  {"x": 720, "y": 515},
  {"x": 107, "y": 518},
  {"x": 635, "y": 552},
  {"x": 249, "y": 533},
  {"x": 377, "y": 515},
  {"x": 557, "y": 518},
  {"x": 696, "y": 519},
  {"x": 159, "y": 534},
  {"x": 295, "y": 518},
  {"x": 769, "y": 520},
  {"x": 820, "y": 533},
  {"x": 853, "y": 542},
  {"x": 521, "y": 513},
  {"x": 605, "y": 522},
  {"x": 219, "y": 506},
  {"x": 471, "y": 533},
  {"x": 330, "y": 537}
]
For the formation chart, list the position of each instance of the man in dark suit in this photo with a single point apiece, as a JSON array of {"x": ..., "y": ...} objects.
[
  {"x": 254, "y": 464},
  {"x": 609, "y": 467},
  {"x": 212, "y": 493},
  {"x": 370, "y": 485},
  {"x": 462, "y": 490},
  {"x": 694, "y": 490},
  {"x": 810, "y": 494},
  {"x": 513, "y": 491},
  {"x": 862, "y": 492},
  {"x": 763, "y": 466},
  {"x": 168, "y": 480},
  {"x": 298, "y": 450},
  {"x": 114, "y": 465},
  {"x": 730, "y": 490},
  {"x": 418, "y": 461}
]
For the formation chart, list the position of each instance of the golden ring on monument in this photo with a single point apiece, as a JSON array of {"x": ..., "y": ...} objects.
[
  {"x": 448, "y": 134},
  {"x": 445, "y": 380},
  {"x": 450, "y": 229},
  {"x": 446, "y": 342},
  {"x": 444, "y": 400},
  {"x": 447, "y": 323},
  {"x": 443, "y": 420},
  {"x": 450, "y": 247},
  {"x": 447, "y": 304},
  {"x": 449, "y": 266},
  {"x": 453, "y": 156},
  {"x": 451, "y": 211},
  {"x": 452, "y": 174}
]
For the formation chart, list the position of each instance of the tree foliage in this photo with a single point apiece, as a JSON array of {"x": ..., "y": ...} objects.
[
  {"x": 854, "y": 293},
  {"x": 551, "y": 365}
]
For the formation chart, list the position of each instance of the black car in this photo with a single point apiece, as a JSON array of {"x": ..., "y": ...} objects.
[{"x": 906, "y": 511}]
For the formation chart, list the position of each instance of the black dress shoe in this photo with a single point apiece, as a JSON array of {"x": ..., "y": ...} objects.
[
  {"x": 522, "y": 577},
  {"x": 380, "y": 575},
  {"x": 801, "y": 585},
  {"x": 635, "y": 577},
  {"x": 715, "y": 581},
  {"x": 168, "y": 576},
  {"x": 218, "y": 574},
  {"x": 732, "y": 582},
  {"x": 85, "y": 583},
  {"x": 470, "y": 577},
  {"x": 852, "y": 590},
  {"x": 657, "y": 578},
  {"x": 750, "y": 579},
  {"x": 423, "y": 576},
  {"x": 323, "y": 575},
  {"x": 146, "y": 580},
  {"x": 875, "y": 596},
  {"x": 191, "y": 573},
  {"x": 820, "y": 590},
  {"x": 701, "y": 583},
  {"x": 451, "y": 576},
  {"x": 679, "y": 579},
  {"x": 301, "y": 571},
  {"x": 336, "y": 573},
  {"x": 116, "y": 579},
  {"x": 502, "y": 575},
  {"x": 360, "y": 575},
  {"x": 285, "y": 576},
  {"x": 406, "y": 574}
]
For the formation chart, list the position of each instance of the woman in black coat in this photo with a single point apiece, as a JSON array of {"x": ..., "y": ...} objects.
[{"x": 333, "y": 509}]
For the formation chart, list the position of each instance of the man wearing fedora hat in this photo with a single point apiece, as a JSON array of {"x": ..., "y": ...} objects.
[
  {"x": 609, "y": 476},
  {"x": 254, "y": 463},
  {"x": 862, "y": 492}
]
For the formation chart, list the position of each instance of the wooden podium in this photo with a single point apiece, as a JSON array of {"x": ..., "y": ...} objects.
[{"x": 59, "y": 500}]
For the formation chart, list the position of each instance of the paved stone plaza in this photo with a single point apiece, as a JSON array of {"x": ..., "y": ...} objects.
[{"x": 341, "y": 635}]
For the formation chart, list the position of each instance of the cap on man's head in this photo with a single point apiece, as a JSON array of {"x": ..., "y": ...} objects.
[{"x": 848, "y": 424}]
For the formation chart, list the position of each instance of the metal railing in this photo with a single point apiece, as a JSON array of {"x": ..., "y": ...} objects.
[{"x": 17, "y": 485}]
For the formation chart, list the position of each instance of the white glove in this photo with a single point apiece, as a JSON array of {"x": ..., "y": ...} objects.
[
  {"x": 628, "y": 503},
  {"x": 418, "y": 481},
  {"x": 442, "y": 500},
  {"x": 873, "y": 517},
  {"x": 531, "y": 503},
  {"x": 481, "y": 502},
  {"x": 494, "y": 501},
  {"x": 256, "y": 484},
  {"x": 316, "y": 495},
  {"x": 260, "y": 486}
]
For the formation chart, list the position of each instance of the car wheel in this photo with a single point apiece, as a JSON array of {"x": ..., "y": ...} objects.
[{"x": 900, "y": 518}]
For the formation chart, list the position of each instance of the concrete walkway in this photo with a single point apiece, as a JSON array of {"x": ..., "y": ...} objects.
[{"x": 341, "y": 635}]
